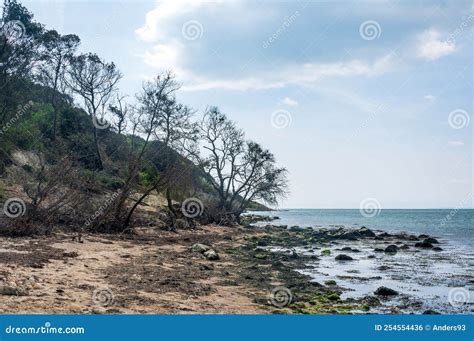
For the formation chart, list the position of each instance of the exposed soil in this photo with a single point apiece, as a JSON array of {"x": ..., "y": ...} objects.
[{"x": 152, "y": 272}]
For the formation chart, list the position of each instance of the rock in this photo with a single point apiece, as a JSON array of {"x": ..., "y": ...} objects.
[
  {"x": 343, "y": 257},
  {"x": 181, "y": 224},
  {"x": 262, "y": 242},
  {"x": 325, "y": 252},
  {"x": 431, "y": 241},
  {"x": 296, "y": 229},
  {"x": 404, "y": 247},
  {"x": 371, "y": 256},
  {"x": 211, "y": 255},
  {"x": 424, "y": 245},
  {"x": 383, "y": 267},
  {"x": 422, "y": 236},
  {"x": 13, "y": 291},
  {"x": 384, "y": 291},
  {"x": 200, "y": 248},
  {"x": 72, "y": 254},
  {"x": 391, "y": 249},
  {"x": 378, "y": 249},
  {"x": 430, "y": 312},
  {"x": 365, "y": 232},
  {"x": 437, "y": 248},
  {"x": 346, "y": 248}
]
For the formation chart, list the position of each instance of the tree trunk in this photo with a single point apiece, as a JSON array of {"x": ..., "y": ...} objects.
[{"x": 100, "y": 165}]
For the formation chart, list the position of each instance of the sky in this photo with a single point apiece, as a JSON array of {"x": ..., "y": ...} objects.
[{"x": 359, "y": 100}]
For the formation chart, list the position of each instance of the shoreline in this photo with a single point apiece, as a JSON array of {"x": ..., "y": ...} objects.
[{"x": 259, "y": 270}]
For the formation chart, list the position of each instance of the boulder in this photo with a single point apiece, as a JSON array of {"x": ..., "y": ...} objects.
[
  {"x": 424, "y": 245},
  {"x": 365, "y": 232},
  {"x": 431, "y": 241},
  {"x": 211, "y": 255},
  {"x": 404, "y": 247},
  {"x": 384, "y": 291},
  {"x": 181, "y": 224},
  {"x": 437, "y": 248},
  {"x": 200, "y": 248},
  {"x": 378, "y": 249},
  {"x": 391, "y": 249},
  {"x": 343, "y": 257},
  {"x": 430, "y": 312}
]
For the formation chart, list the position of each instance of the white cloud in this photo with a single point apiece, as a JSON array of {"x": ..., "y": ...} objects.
[
  {"x": 289, "y": 102},
  {"x": 299, "y": 74},
  {"x": 155, "y": 19},
  {"x": 456, "y": 143},
  {"x": 429, "y": 97},
  {"x": 432, "y": 47}
]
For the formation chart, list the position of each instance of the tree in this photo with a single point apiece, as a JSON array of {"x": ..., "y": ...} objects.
[
  {"x": 19, "y": 41},
  {"x": 95, "y": 81},
  {"x": 239, "y": 171},
  {"x": 56, "y": 53},
  {"x": 120, "y": 110},
  {"x": 152, "y": 101}
]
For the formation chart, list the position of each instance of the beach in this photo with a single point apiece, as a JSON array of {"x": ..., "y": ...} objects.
[{"x": 259, "y": 269}]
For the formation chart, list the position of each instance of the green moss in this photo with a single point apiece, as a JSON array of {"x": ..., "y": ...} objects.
[
  {"x": 330, "y": 282},
  {"x": 325, "y": 252}
]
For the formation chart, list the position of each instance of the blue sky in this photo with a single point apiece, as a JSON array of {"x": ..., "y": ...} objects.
[{"x": 357, "y": 99}]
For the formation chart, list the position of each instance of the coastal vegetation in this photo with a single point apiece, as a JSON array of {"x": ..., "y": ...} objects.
[{"x": 73, "y": 147}]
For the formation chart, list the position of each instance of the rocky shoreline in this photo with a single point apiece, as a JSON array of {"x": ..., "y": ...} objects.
[{"x": 211, "y": 269}]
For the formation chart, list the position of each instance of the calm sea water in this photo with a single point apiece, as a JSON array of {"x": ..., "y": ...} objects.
[
  {"x": 453, "y": 225},
  {"x": 427, "y": 279}
]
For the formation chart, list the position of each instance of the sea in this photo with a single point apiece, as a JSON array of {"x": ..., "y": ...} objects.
[{"x": 427, "y": 280}]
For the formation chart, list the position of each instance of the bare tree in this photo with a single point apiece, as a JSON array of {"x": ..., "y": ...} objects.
[
  {"x": 56, "y": 53},
  {"x": 152, "y": 101},
  {"x": 95, "y": 81},
  {"x": 239, "y": 171},
  {"x": 120, "y": 110}
]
